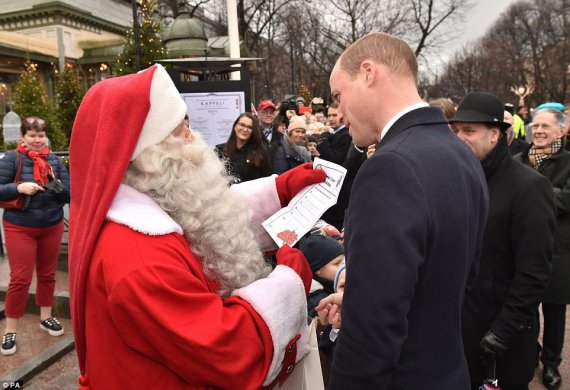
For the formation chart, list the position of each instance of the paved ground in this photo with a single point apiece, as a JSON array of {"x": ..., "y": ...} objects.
[
  {"x": 31, "y": 342},
  {"x": 63, "y": 374}
]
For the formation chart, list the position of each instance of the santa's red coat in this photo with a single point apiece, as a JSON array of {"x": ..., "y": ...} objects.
[{"x": 153, "y": 319}]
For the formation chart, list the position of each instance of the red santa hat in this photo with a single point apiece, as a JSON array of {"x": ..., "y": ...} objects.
[{"x": 118, "y": 118}]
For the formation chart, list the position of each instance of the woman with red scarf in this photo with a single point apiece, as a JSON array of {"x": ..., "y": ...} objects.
[{"x": 33, "y": 234}]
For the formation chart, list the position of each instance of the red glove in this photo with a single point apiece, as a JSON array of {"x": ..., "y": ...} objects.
[
  {"x": 295, "y": 259},
  {"x": 294, "y": 180}
]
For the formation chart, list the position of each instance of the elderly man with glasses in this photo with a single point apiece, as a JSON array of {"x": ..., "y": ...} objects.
[{"x": 547, "y": 155}]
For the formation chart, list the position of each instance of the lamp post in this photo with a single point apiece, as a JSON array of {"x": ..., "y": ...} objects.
[
  {"x": 135, "y": 4},
  {"x": 233, "y": 34},
  {"x": 522, "y": 92}
]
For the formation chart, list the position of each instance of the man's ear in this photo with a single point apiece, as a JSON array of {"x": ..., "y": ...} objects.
[
  {"x": 496, "y": 134},
  {"x": 369, "y": 70}
]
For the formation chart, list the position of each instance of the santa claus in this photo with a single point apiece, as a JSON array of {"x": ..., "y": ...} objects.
[{"x": 169, "y": 288}]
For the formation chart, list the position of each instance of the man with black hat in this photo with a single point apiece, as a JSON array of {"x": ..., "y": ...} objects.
[{"x": 499, "y": 314}]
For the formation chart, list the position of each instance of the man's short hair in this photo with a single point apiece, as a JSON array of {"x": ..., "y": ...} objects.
[
  {"x": 559, "y": 116},
  {"x": 446, "y": 106},
  {"x": 333, "y": 105},
  {"x": 388, "y": 50}
]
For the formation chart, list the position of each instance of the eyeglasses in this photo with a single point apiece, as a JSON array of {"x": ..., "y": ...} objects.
[
  {"x": 267, "y": 112},
  {"x": 33, "y": 120},
  {"x": 244, "y": 126}
]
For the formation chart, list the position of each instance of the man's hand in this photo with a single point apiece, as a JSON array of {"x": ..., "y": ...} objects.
[
  {"x": 295, "y": 259},
  {"x": 329, "y": 310},
  {"x": 294, "y": 180},
  {"x": 493, "y": 345}
]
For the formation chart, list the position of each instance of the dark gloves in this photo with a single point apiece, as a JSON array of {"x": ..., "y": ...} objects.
[
  {"x": 493, "y": 346},
  {"x": 323, "y": 136},
  {"x": 294, "y": 180},
  {"x": 295, "y": 259}
]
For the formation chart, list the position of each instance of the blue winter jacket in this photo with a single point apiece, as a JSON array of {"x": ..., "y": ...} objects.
[{"x": 45, "y": 207}]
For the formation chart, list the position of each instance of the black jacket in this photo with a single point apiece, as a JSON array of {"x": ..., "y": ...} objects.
[
  {"x": 514, "y": 269},
  {"x": 517, "y": 146},
  {"x": 354, "y": 159},
  {"x": 272, "y": 145},
  {"x": 414, "y": 227},
  {"x": 46, "y": 207},
  {"x": 241, "y": 167},
  {"x": 557, "y": 171},
  {"x": 334, "y": 148}
]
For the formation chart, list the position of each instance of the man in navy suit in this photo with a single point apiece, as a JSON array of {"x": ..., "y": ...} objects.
[{"x": 413, "y": 231}]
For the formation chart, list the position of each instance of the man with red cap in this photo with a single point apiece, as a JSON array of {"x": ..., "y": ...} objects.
[
  {"x": 168, "y": 283},
  {"x": 271, "y": 134}
]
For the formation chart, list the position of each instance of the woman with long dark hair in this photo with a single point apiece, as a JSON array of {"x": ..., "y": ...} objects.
[{"x": 245, "y": 153}]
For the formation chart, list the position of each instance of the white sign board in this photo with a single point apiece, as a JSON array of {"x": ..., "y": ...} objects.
[
  {"x": 213, "y": 114},
  {"x": 11, "y": 127}
]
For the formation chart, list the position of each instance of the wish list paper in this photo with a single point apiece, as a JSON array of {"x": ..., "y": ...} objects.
[{"x": 291, "y": 223}]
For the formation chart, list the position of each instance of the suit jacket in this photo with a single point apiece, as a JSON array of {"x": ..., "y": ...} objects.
[
  {"x": 414, "y": 228},
  {"x": 335, "y": 147}
]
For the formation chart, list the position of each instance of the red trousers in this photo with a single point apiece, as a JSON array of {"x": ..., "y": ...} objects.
[{"x": 28, "y": 246}]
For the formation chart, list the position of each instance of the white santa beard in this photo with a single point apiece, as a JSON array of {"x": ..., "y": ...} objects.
[{"x": 189, "y": 182}]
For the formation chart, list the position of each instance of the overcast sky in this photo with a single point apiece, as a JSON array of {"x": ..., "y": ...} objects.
[{"x": 483, "y": 14}]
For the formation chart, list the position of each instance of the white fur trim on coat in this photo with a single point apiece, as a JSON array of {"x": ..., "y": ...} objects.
[
  {"x": 260, "y": 196},
  {"x": 280, "y": 300},
  {"x": 139, "y": 212},
  {"x": 167, "y": 110}
]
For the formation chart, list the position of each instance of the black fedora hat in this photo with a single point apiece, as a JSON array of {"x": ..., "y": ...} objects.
[{"x": 481, "y": 107}]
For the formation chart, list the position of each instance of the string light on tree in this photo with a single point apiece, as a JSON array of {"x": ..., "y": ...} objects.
[{"x": 151, "y": 48}]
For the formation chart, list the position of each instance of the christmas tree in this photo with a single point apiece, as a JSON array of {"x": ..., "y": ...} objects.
[
  {"x": 68, "y": 95},
  {"x": 30, "y": 94},
  {"x": 151, "y": 47},
  {"x": 305, "y": 94},
  {"x": 30, "y": 99}
]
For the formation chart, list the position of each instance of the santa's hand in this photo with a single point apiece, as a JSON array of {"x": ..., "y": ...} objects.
[
  {"x": 294, "y": 180},
  {"x": 328, "y": 310},
  {"x": 294, "y": 259}
]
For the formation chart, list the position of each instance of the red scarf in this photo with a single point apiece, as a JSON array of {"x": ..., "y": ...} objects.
[{"x": 43, "y": 172}]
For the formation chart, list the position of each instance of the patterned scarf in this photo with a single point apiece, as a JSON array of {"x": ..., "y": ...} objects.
[
  {"x": 538, "y": 155},
  {"x": 43, "y": 172}
]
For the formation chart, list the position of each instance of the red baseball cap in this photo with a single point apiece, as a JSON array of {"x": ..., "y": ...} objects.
[{"x": 266, "y": 104}]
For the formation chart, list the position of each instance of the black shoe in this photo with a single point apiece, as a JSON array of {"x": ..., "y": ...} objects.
[
  {"x": 9, "y": 344},
  {"x": 52, "y": 326},
  {"x": 551, "y": 377}
]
